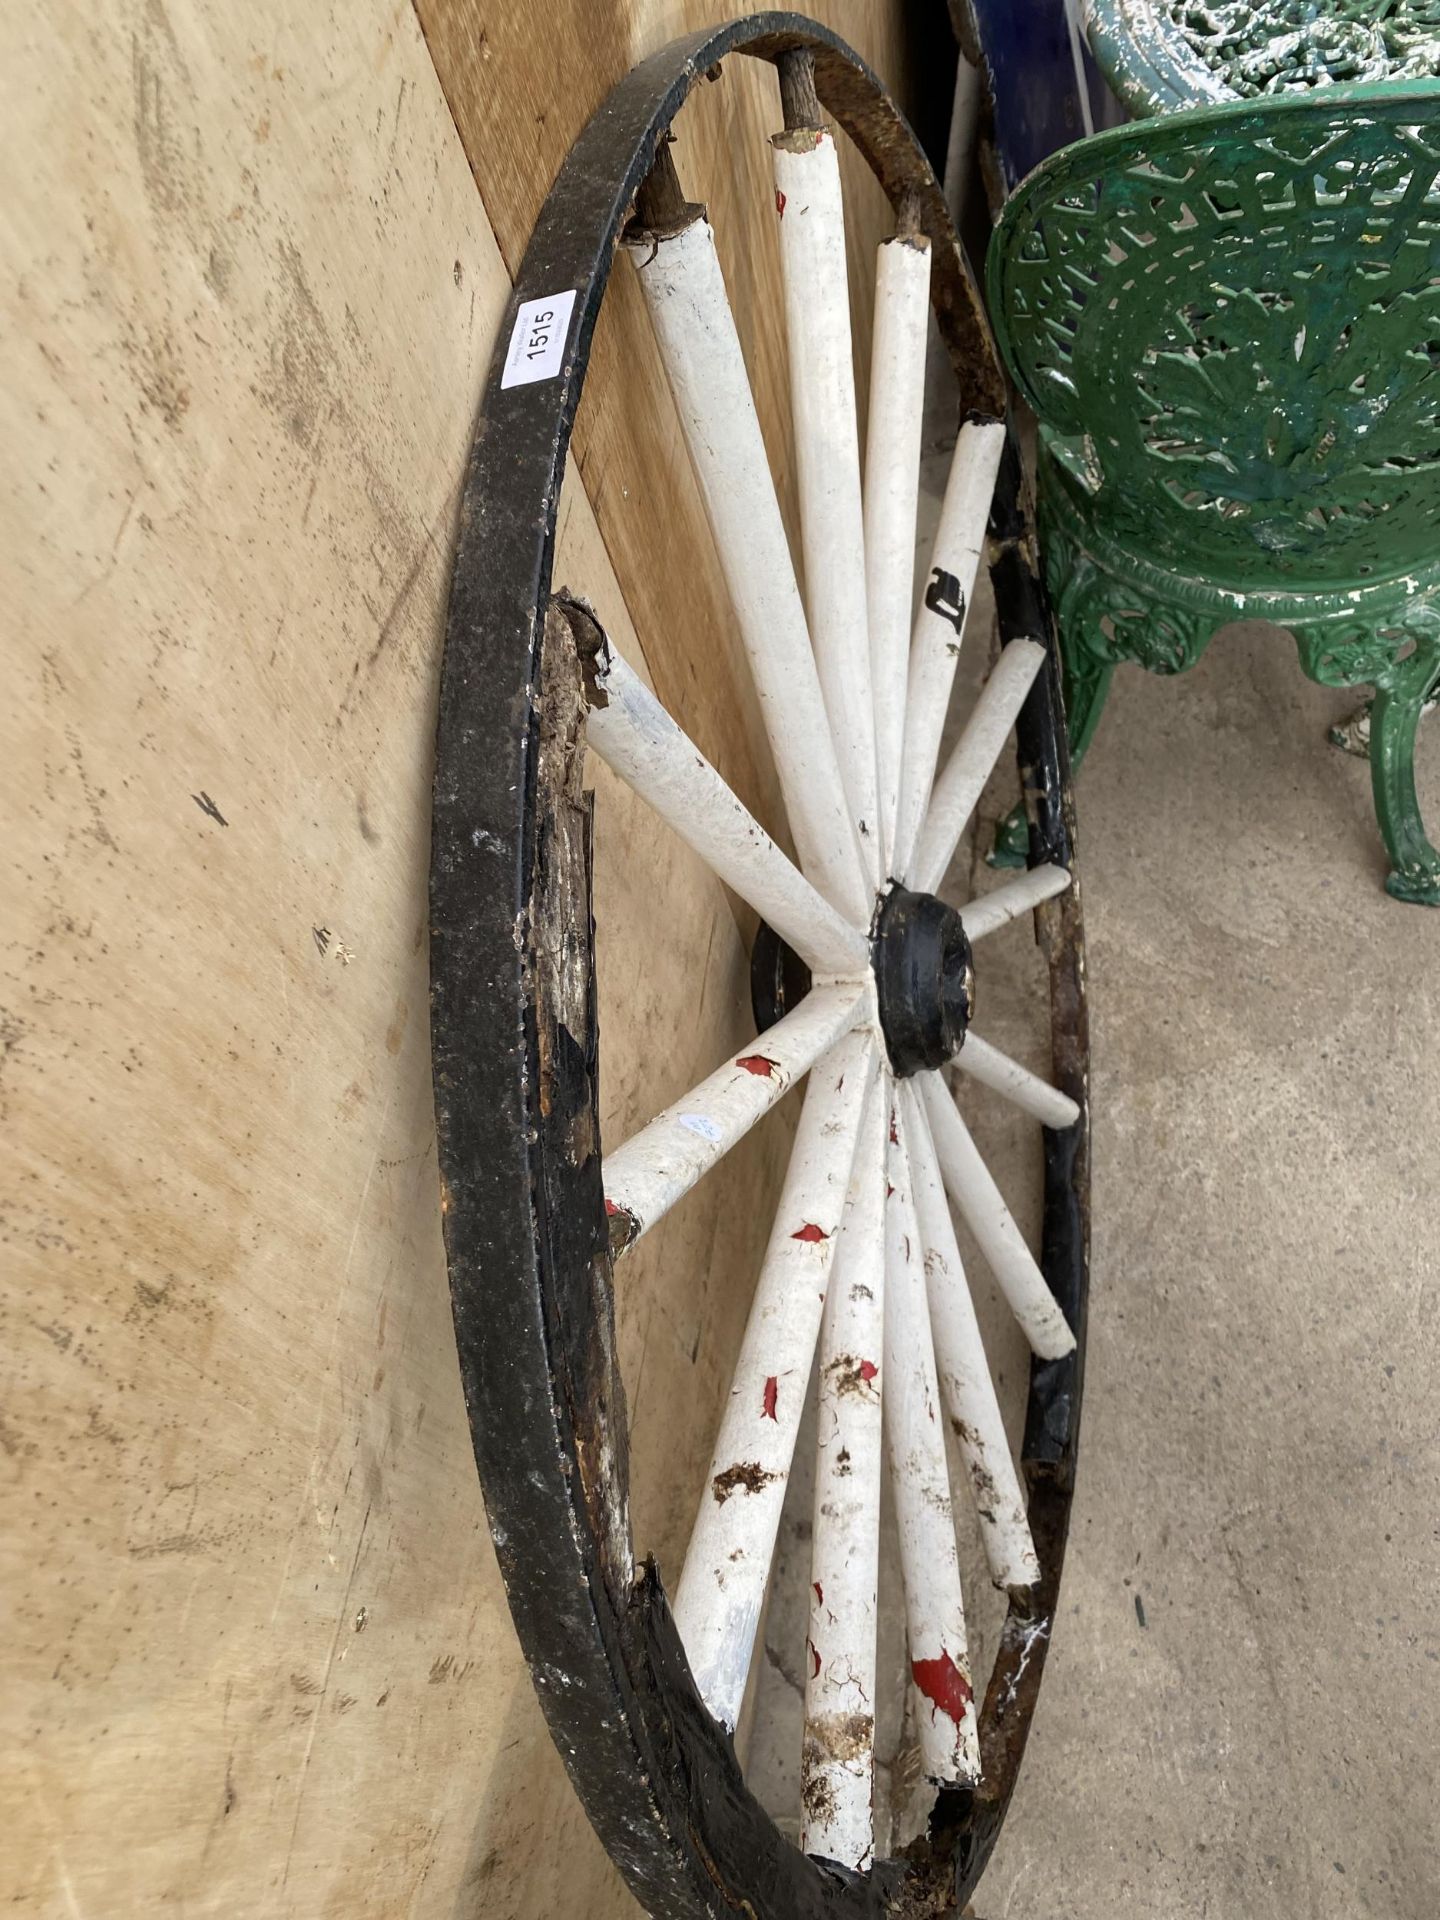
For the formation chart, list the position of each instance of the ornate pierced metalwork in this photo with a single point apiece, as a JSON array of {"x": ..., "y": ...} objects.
[
  {"x": 1228, "y": 322},
  {"x": 1275, "y": 45},
  {"x": 1160, "y": 55}
]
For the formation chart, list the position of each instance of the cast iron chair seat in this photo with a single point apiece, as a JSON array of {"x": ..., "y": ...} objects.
[
  {"x": 1228, "y": 324},
  {"x": 1160, "y": 55}
]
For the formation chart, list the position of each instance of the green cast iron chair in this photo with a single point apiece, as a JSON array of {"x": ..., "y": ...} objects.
[
  {"x": 1228, "y": 324},
  {"x": 1163, "y": 55}
]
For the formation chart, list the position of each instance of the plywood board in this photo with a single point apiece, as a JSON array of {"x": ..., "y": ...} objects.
[{"x": 257, "y": 1660}]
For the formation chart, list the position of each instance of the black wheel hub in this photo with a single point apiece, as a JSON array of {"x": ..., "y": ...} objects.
[{"x": 924, "y": 978}]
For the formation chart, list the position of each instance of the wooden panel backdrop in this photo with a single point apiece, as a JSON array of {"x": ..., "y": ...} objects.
[{"x": 256, "y": 1658}]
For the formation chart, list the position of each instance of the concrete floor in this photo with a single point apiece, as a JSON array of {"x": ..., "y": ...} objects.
[{"x": 1241, "y": 1713}]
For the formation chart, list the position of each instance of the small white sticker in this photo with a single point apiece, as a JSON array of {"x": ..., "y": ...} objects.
[
  {"x": 699, "y": 1123},
  {"x": 538, "y": 340}
]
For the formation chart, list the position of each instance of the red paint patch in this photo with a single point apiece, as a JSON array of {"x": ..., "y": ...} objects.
[
  {"x": 888, "y": 1189},
  {"x": 772, "y": 1394},
  {"x": 814, "y": 1655},
  {"x": 779, "y": 203},
  {"x": 894, "y": 1135},
  {"x": 868, "y": 1369},
  {"x": 810, "y": 1232},
  {"x": 756, "y": 1063},
  {"x": 943, "y": 1685},
  {"x": 610, "y": 1207},
  {"x": 819, "y": 1591}
]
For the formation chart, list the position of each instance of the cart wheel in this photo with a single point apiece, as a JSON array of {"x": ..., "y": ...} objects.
[{"x": 864, "y": 982}]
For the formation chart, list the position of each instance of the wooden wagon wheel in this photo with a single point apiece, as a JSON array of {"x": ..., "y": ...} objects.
[{"x": 864, "y": 981}]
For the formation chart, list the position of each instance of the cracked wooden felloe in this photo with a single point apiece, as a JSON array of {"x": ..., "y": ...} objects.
[
  {"x": 1228, "y": 322},
  {"x": 540, "y": 1227}
]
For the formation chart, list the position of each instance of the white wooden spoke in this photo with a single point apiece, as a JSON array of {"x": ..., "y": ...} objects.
[
  {"x": 727, "y": 1565},
  {"x": 637, "y": 738},
  {"x": 964, "y": 112},
  {"x": 862, "y": 1256},
  {"x": 964, "y": 1373},
  {"x": 827, "y": 458},
  {"x": 685, "y": 292},
  {"x": 915, "y": 1444},
  {"x": 660, "y": 1164},
  {"x": 1015, "y": 1083},
  {"x": 892, "y": 485},
  {"x": 976, "y": 1195},
  {"x": 970, "y": 764},
  {"x": 997, "y": 909},
  {"x": 838, "y": 1756},
  {"x": 939, "y": 626}
]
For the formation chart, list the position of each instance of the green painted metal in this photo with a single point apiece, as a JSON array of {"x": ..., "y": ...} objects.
[
  {"x": 1160, "y": 55},
  {"x": 1228, "y": 324}
]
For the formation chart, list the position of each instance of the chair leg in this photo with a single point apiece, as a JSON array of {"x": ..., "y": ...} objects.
[
  {"x": 1399, "y": 701},
  {"x": 1352, "y": 734},
  {"x": 1400, "y": 657},
  {"x": 1087, "y": 685},
  {"x": 1101, "y": 619}
]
